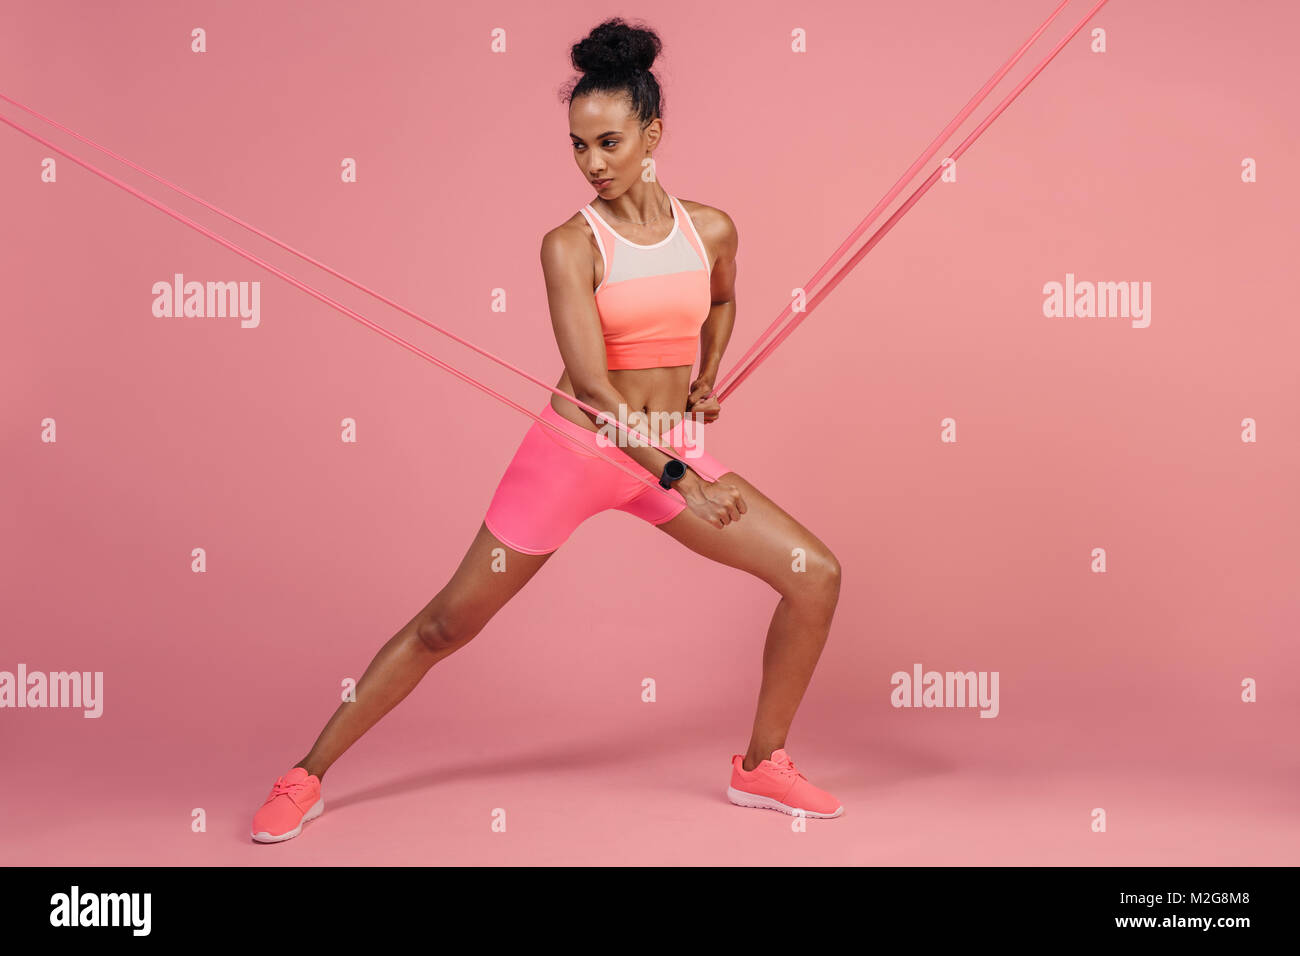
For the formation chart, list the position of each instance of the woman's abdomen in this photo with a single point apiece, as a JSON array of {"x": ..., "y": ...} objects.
[{"x": 646, "y": 390}]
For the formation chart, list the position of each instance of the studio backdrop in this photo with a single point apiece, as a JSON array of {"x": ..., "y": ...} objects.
[{"x": 1048, "y": 425}]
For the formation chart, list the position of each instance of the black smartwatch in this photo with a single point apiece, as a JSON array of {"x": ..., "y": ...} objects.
[{"x": 674, "y": 470}]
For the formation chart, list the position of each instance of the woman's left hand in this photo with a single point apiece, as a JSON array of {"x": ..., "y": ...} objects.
[{"x": 701, "y": 401}]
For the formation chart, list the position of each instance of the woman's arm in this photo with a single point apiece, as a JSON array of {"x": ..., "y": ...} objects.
[
  {"x": 716, "y": 331},
  {"x": 566, "y": 265}
]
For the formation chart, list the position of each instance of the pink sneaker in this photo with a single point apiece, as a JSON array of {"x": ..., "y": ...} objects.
[
  {"x": 776, "y": 784},
  {"x": 293, "y": 801}
]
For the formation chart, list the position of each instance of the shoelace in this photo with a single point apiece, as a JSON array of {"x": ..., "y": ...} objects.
[
  {"x": 787, "y": 768},
  {"x": 790, "y": 768},
  {"x": 283, "y": 787}
]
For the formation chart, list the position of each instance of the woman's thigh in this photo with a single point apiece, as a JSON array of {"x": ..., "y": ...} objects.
[
  {"x": 766, "y": 541},
  {"x": 489, "y": 575}
]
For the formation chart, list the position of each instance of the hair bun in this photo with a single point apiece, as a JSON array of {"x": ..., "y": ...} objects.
[{"x": 615, "y": 46}]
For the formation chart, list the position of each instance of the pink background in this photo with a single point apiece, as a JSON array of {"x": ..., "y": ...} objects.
[{"x": 1118, "y": 690}]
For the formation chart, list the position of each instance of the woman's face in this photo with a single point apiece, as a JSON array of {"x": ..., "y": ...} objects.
[{"x": 608, "y": 143}]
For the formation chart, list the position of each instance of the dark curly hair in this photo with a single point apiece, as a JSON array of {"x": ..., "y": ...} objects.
[{"x": 616, "y": 57}]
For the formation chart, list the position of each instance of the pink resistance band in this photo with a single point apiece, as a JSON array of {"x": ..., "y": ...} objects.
[
  {"x": 641, "y": 475},
  {"x": 740, "y": 371}
]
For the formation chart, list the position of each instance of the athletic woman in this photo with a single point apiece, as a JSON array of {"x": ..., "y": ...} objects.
[{"x": 638, "y": 282}]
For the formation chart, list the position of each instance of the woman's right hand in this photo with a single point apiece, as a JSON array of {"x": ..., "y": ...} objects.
[{"x": 717, "y": 502}]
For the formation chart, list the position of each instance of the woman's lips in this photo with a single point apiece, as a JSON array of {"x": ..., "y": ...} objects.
[{"x": 601, "y": 183}]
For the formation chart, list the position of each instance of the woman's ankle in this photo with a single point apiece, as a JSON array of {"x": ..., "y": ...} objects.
[
  {"x": 756, "y": 755},
  {"x": 312, "y": 768}
]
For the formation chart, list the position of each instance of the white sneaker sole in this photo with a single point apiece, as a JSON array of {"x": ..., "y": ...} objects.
[
  {"x": 317, "y": 809},
  {"x": 742, "y": 799}
]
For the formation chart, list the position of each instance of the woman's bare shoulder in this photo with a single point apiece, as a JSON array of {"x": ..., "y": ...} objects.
[
  {"x": 569, "y": 240},
  {"x": 715, "y": 227}
]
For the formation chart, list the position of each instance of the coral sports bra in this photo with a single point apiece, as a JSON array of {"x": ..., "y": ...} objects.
[{"x": 654, "y": 298}]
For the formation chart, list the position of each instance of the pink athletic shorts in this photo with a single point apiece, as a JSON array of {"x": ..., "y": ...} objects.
[{"x": 551, "y": 485}]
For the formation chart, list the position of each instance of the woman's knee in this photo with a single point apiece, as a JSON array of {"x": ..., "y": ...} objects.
[
  {"x": 817, "y": 578},
  {"x": 440, "y": 632},
  {"x": 828, "y": 572}
]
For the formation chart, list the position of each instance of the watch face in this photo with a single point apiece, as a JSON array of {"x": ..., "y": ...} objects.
[{"x": 676, "y": 469}]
